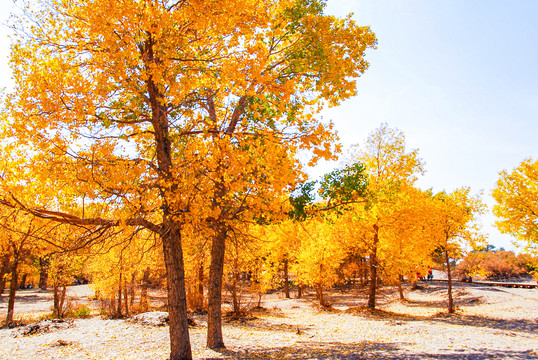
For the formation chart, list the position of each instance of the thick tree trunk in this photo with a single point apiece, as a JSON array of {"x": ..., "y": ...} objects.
[
  {"x": 180, "y": 348},
  {"x": 216, "y": 268},
  {"x": 43, "y": 272},
  {"x": 286, "y": 280},
  {"x": 12, "y": 292},
  {"x": 56, "y": 301},
  {"x": 449, "y": 275},
  {"x": 373, "y": 270}
]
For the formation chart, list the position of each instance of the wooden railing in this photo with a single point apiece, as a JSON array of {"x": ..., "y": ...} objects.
[{"x": 491, "y": 283}]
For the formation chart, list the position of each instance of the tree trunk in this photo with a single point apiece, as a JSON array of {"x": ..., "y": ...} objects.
[
  {"x": 12, "y": 292},
  {"x": 62, "y": 300},
  {"x": 43, "y": 272},
  {"x": 56, "y": 301},
  {"x": 373, "y": 270},
  {"x": 170, "y": 233},
  {"x": 320, "y": 287},
  {"x": 364, "y": 272},
  {"x": 216, "y": 268},
  {"x": 144, "y": 300},
  {"x": 23, "y": 282},
  {"x": 132, "y": 289},
  {"x": 449, "y": 275},
  {"x": 119, "y": 310},
  {"x": 235, "y": 298},
  {"x": 126, "y": 298},
  {"x": 59, "y": 300},
  {"x": 320, "y": 294},
  {"x": 200, "y": 295},
  {"x": 180, "y": 347},
  {"x": 400, "y": 288},
  {"x": 299, "y": 291},
  {"x": 3, "y": 271},
  {"x": 286, "y": 280}
]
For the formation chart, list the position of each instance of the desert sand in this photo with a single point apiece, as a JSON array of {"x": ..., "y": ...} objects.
[{"x": 490, "y": 323}]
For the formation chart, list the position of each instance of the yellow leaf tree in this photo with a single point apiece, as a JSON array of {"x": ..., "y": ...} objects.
[
  {"x": 516, "y": 196},
  {"x": 119, "y": 100},
  {"x": 390, "y": 169},
  {"x": 454, "y": 217}
]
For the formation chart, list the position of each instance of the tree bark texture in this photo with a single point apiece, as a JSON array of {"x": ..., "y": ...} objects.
[
  {"x": 449, "y": 275},
  {"x": 119, "y": 310},
  {"x": 12, "y": 292},
  {"x": 286, "y": 279},
  {"x": 373, "y": 270},
  {"x": 180, "y": 348},
  {"x": 200, "y": 294},
  {"x": 216, "y": 268}
]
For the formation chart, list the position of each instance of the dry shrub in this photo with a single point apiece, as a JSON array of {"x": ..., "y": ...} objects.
[{"x": 496, "y": 265}]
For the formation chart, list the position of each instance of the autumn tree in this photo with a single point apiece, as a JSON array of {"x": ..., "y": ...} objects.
[
  {"x": 119, "y": 264},
  {"x": 495, "y": 265},
  {"x": 19, "y": 233},
  {"x": 320, "y": 255},
  {"x": 516, "y": 196},
  {"x": 454, "y": 215},
  {"x": 120, "y": 102},
  {"x": 410, "y": 244},
  {"x": 390, "y": 169}
]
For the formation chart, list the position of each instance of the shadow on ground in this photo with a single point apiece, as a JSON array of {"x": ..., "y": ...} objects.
[
  {"x": 24, "y": 297},
  {"x": 367, "y": 350},
  {"x": 530, "y": 326}
]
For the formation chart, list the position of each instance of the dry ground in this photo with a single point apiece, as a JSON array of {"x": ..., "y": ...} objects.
[{"x": 491, "y": 323}]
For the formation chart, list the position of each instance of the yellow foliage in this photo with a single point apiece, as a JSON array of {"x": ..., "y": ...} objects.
[{"x": 516, "y": 196}]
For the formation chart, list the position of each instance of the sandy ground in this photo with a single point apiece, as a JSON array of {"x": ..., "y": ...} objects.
[{"x": 491, "y": 323}]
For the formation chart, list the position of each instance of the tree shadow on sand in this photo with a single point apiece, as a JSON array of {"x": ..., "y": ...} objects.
[
  {"x": 528, "y": 326},
  {"x": 368, "y": 350},
  {"x": 26, "y": 298}
]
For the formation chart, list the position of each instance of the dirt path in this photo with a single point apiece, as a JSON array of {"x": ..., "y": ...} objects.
[{"x": 491, "y": 323}]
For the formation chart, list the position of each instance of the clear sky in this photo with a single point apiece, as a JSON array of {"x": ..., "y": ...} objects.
[{"x": 458, "y": 77}]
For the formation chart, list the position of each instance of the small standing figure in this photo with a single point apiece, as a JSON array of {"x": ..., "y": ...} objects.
[{"x": 430, "y": 274}]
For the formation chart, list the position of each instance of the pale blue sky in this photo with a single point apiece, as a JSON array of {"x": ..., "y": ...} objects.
[{"x": 458, "y": 77}]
